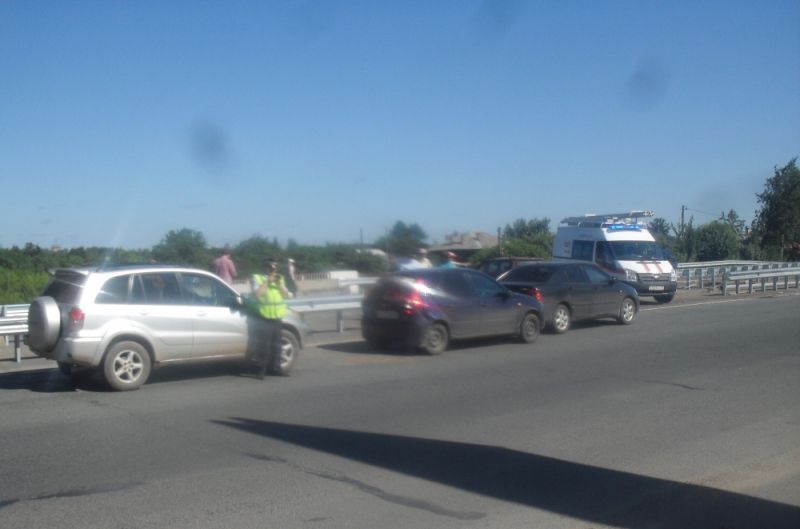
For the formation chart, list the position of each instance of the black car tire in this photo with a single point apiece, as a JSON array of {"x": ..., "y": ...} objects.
[
  {"x": 126, "y": 365},
  {"x": 282, "y": 366},
  {"x": 529, "y": 328},
  {"x": 436, "y": 339},
  {"x": 44, "y": 324},
  {"x": 664, "y": 298},
  {"x": 562, "y": 319},
  {"x": 627, "y": 311}
]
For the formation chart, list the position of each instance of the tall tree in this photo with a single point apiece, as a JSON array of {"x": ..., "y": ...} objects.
[
  {"x": 716, "y": 241},
  {"x": 778, "y": 219},
  {"x": 185, "y": 246},
  {"x": 734, "y": 220},
  {"x": 403, "y": 239},
  {"x": 527, "y": 229}
]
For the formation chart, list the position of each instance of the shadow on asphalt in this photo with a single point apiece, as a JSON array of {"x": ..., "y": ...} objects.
[
  {"x": 590, "y": 493},
  {"x": 51, "y": 380}
]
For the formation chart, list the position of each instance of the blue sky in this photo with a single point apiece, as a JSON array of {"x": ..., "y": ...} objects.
[{"x": 321, "y": 121}]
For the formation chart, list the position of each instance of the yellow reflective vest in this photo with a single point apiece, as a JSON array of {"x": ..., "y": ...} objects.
[{"x": 270, "y": 305}]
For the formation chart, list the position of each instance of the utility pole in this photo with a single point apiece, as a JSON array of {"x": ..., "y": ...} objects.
[{"x": 683, "y": 213}]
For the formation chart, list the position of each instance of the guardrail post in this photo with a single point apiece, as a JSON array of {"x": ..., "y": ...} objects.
[
  {"x": 340, "y": 321},
  {"x": 17, "y": 353},
  {"x": 713, "y": 279},
  {"x": 702, "y": 275}
]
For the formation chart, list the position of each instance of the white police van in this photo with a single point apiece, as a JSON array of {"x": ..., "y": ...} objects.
[{"x": 620, "y": 244}]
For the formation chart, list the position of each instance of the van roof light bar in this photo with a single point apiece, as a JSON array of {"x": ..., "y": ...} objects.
[{"x": 597, "y": 220}]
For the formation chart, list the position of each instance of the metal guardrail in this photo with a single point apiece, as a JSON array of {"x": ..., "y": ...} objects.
[
  {"x": 14, "y": 322},
  {"x": 761, "y": 276},
  {"x": 340, "y": 304},
  {"x": 711, "y": 273}
]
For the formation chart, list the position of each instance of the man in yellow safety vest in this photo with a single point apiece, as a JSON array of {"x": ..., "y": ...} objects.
[{"x": 269, "y": 291}]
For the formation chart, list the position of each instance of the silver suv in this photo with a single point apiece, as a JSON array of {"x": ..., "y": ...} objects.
[{"x": 126, "y": 319}]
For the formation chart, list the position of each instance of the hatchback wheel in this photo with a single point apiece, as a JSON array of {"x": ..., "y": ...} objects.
[
  {"x": 436, "y": 339},
  {"x": 529, "y": 328},
  {"x": 561, "y": 319},
  {"x": 627, "y": 311},
  {"x": 126, "y": 365}
]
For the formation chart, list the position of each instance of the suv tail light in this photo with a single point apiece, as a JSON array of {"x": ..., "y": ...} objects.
[
  {"x": 534, "y": 293},
  {"x": 76, "y": 319}
]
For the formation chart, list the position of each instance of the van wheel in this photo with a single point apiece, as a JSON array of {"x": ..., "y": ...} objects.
[
  {"x": 529, "y": 328},
  {"x": 436, "y": 339},
  {"x": 126, "y": 365},
  {"x": 664, "y": 298},
  {"x": 627, "y": 311}
]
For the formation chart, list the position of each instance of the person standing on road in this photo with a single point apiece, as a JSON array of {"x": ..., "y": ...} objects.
[
  {"x": 450, "y": 261},
  {"x": 269, "y": 291},
  {"x": 224, "y": 267},
  {"x": 422, "y": 258}
]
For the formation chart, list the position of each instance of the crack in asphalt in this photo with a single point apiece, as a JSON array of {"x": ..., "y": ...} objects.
[
  {"x": 405, "y": 501},
  {"x": 676, "y": 384},
  {"x": 75, "y": 493}
]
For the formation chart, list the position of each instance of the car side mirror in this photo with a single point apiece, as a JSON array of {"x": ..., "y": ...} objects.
[{"x": 612, "y": 280}]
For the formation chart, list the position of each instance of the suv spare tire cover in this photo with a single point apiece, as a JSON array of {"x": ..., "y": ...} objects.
[{"x": 44, "y": 324}]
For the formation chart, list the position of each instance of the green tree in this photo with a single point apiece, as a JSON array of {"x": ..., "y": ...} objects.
[
  {"x": 527, "y": 229},
  {"x": 185, "y": 247},
  {"x": 660, "y": 229},
  {"x": 685, "y": 242},
  {"x": 734, "y": 220},
  {"x": 778, "y": 220},
  {"x": 404, "y": 239},
  {"x": 249, "y": 254},
  {"x": 717, "y": 241}
]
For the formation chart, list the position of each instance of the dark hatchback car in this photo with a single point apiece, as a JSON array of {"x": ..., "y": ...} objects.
[
  {"x": 572, "y": 291},
  {"x": 426, "y": 308}
]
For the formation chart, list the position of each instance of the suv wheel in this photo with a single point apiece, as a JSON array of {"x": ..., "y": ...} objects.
[
  {"x": 44, "y": 324},
  {"x": 126, "y": 365},
  {"x": 289, "y": 346}
]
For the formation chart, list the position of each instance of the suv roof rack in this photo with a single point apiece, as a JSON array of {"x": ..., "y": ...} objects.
[
  {"x": 594, "y": 220},
  {"x": 134, "y": 266}
]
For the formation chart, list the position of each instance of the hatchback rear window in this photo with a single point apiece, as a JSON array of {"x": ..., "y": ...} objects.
[
  {"x": 65, "y": 287},
  {"x": 531, "y": 274}
]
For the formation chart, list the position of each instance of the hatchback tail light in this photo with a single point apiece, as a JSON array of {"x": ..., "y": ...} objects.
[
  {"x": 413, "y": 302},
  {"x": 76, "y": 319},
  {"x": 534, "y": 293}
]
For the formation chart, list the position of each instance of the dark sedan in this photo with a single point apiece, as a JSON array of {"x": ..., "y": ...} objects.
[
  {"x": 572, "y": 291},
  {"x": 426, "y": 308}
]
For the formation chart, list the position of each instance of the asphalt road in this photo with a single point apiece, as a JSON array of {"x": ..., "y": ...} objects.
[{"x": 688, "y": 418}]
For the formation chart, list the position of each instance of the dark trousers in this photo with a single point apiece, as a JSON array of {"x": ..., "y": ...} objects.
[{"x": 268, "y": 347}]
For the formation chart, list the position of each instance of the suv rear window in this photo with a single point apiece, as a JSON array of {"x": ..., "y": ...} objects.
[{"x": 65, "y": 287}]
